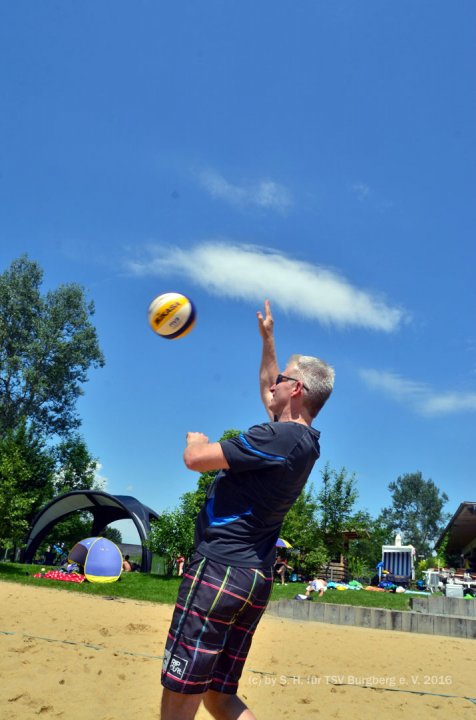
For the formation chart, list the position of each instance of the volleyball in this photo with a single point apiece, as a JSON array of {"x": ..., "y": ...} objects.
[{"x": 171, "y": 315}]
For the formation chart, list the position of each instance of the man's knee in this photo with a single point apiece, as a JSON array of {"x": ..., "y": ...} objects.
[
  {"x": 178, "y": 705},
  {"x": 216, "y": 700},
  {"x": 222, "y": 705}
]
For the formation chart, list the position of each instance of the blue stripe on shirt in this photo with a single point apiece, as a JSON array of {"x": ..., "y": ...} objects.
[
  {"x": 258, "y": 452},
  {"x": 215, "y": 520}
]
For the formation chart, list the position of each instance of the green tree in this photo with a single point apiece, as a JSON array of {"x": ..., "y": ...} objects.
[
  {"x": 172, "y": 535},
  {"x": 417, "y": 511},
  {"x": 365, "y": 552},
  {"x": 47, "y": 345},
  {"x": 26, "y": 482},
  {"x": 75, "y": 466},
  {"x": 301, "y": 524},
  {"x": 75, "y": 469},
  {"x": 113, "y": 534},
  {"x": 302, "y": 529},
  {"x": 336, "y": 498},
  {"x": 313, "y": 561}
]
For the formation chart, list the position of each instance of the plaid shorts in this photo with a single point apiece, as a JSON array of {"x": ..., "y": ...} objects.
[{"x": 217, "y": 611}]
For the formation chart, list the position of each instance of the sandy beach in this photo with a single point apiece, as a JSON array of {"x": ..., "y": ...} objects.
[{"x": 72, "y": 656}]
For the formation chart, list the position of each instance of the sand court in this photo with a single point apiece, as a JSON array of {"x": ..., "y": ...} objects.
[{"x": 73, "y": 656}]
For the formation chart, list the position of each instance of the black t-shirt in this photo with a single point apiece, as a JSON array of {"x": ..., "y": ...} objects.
[{"x": 245, "y": 507}]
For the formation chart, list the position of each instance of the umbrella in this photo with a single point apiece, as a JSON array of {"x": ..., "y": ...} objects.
[{"x": 283, "y": 543}]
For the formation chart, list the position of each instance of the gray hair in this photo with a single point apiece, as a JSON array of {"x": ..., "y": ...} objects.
[{"x": 317, "y": 376}]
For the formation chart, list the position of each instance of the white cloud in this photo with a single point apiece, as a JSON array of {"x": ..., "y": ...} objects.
[
  {"x": 265, "y": 194},
  {"x": 251, "y": 273},
  {"x": 422, "y": 398},
  {"x": 450, "y": 402}
]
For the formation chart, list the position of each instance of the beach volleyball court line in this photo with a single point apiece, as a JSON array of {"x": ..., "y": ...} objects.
[{"x": 90, "y": 646}]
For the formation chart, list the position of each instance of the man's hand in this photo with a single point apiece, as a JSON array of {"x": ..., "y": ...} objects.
[
  {"x": 266, "y": 323},
  {"x": 194, "y": 438}
]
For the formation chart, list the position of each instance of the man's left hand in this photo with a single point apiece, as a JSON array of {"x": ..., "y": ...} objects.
[{"x": 196, "y": 438}]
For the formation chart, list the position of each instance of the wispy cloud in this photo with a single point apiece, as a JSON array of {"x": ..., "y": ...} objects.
[
  {"x": 265, "y": 194},
  {"x": 370, "y": 197},
  {"x": 361, "y": 190},
  {"x": 251, "y": 273},
  {"x": 419, "y": 396}
]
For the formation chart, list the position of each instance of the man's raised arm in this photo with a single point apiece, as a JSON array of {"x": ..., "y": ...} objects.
[{"x": 269, "y": 363}]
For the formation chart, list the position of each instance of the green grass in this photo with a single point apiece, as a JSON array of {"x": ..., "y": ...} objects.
[
  {"x": 361, "y": 598},
  {"x": 154, "y": 588},
  {"x": 136, "y": 586}
]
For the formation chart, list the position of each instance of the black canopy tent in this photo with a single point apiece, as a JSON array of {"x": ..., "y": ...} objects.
[{"x": 104, "y": 508}]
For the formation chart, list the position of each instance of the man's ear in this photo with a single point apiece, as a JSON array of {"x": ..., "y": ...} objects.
[{"x": 298, "y": 387}]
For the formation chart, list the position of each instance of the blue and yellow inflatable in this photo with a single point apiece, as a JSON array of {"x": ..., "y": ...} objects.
[{"x": 100, "y": 559}]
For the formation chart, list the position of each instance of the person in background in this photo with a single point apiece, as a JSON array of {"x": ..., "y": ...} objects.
[
  {"x": 179, "y": 565},
  {"x": 316, "y": 585},
  {"x": 281, "y": 567}
]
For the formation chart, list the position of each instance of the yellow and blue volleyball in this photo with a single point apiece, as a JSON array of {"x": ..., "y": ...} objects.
[{"x": 171, "y": 315}]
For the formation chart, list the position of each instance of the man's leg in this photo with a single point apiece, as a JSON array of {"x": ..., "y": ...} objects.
[
  {"x": 226, "y": 707},
  {"x": 177, "y": 706}
]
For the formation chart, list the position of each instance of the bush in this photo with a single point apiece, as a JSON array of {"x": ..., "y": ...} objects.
[
  {"x": 314, "y": 559},
  {"x": 359, "y": 570}
]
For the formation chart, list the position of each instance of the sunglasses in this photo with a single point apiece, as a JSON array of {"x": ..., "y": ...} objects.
[{"x": 280, "y": 378}]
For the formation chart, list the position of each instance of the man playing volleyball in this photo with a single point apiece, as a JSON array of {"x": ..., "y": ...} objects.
[{"x": 227, "y": 584}]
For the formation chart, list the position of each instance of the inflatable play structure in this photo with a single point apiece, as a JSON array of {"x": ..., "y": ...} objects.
[
  {"x": 98, "y": 558},
  {"x": 398, "y": 560},
  {"x": 104, "y": 508}
]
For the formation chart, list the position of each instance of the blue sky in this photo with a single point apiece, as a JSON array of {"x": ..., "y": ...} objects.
[{"x": 319, "y": 154}]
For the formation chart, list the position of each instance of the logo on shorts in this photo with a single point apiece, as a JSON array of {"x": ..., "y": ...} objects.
[{"x": 175, "y": 666}]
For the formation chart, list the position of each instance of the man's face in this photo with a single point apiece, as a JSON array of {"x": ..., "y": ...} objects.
[{"x": 281, "y": 392}]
